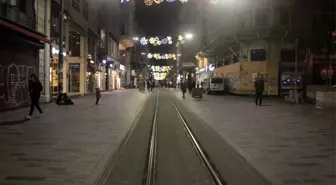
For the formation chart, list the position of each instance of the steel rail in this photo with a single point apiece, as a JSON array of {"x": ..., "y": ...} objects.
[{"x": 211, "y": 169}]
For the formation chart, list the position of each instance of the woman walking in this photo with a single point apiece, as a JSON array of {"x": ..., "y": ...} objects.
[{"x": 35, "y": 88}]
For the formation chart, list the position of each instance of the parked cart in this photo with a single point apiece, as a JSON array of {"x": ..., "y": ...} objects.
[{"x": 197, "y": 92}]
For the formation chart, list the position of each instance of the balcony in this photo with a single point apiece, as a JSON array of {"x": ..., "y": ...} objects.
[{"x": 12, "y": 13}]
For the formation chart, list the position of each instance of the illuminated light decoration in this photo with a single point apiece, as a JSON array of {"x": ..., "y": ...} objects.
[
  {"x": 156, "y": 41},
  {"x": 183, "y": 1},
  {"x": 149, "y": 2},
  {"x": 152, "y": 40},
  {"x": 123, "y": 1},
  {"x": 158, "y": 1},
  {"x": 213, "y": 1},
  {"x": 159, "y": 56},
  {"x": 160, "y": 72},
  {"x": 143, "y": 41},
  {"x": 165, "y": 41}
]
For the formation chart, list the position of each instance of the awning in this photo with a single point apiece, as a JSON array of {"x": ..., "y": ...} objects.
[{"x": 25, "y": 31}]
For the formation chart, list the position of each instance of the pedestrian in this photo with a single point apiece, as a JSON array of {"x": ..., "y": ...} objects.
[
  {"x": 190, "y": 87},
  {"x": 35, "y": 88},
  {"x": 152, "y": 85},
  {"x": 98, "y": 95},
  {"x": 184, "y": 88},
  {"x": 259, "y": 89},
  {"x": 149, "y": 85}
]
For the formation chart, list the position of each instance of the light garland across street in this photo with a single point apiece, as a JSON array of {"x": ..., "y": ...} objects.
[
  {"x": 151, "y": 2},
  {"x": 159, "y": 56},
  {"x": 156, "y": 41}
]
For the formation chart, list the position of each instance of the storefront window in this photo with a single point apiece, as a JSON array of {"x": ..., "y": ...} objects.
[
  {"x": 74, "y": 44},
  {"x": 54, "y": 76},
  {"x": 74, "y": 77}
]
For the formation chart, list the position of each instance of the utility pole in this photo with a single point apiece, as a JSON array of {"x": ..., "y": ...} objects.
[
  {"x": 296, "y": 70},
  {"x": 330, "y": 72},
  {"x": 60, "y": 45}
]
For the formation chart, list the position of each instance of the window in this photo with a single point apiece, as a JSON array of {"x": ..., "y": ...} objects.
[
  {"x": 22, "y": 6},
  {"x": 261, "y": 18},
  {"x": 258, "y": 55},
  {"x": 74, "y": 44},
  {"x": 284, "y": 17},
  {"x": 216, "y": 80},
  {"x": 75, "y": 5},
  {"x": 86, "y": 9}
]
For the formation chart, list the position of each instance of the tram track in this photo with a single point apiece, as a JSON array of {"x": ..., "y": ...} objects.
[
  {"x": 162, "y": 150},
  {"x": 209, "y": 169}
]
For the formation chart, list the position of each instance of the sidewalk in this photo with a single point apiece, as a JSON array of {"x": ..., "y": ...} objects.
[
  {"x": 69, "y": 144},
  {"x": 288, "y": 144}
]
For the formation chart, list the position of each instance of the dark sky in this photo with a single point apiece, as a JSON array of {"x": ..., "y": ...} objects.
[{"x": 158, "y": 20}]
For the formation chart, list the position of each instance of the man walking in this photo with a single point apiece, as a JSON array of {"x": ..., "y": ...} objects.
[
  {"x": 35, "y": 88},
  {"x": 259, "y": 89},
  {"x": 184, "y": 88}
]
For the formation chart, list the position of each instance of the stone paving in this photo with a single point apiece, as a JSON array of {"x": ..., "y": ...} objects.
[
  {"x": 69, "y": 144},
  {"x": 288, "y": 144}
]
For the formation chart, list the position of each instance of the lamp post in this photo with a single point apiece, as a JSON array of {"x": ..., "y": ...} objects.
[{"x": 60, "y": 43}]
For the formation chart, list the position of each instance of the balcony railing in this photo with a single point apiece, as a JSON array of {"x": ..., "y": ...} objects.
[{"x": 14, "y": 14}]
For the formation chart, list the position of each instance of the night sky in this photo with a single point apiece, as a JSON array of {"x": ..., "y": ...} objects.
[{"x": 158, "y": 20}]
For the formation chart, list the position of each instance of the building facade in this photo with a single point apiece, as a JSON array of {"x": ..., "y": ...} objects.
[
  {"x": 30, "y": 34},
  {"x": 24, "y": 40},
  {"x": 246, "y": 39},
  {"x": 126, "y": 42}
]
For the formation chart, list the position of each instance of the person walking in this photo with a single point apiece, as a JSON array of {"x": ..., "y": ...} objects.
[
  {"x": 184, "y": 88},
  {"x": 259, "y": 89},
  {"x": 35, "y": 88},
  {"x": 98, "y": 95}
]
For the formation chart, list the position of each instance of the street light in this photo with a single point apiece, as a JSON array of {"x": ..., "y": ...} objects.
[
  {"x": 136, "y": 38},
  {"x": 189, "y": 36}
]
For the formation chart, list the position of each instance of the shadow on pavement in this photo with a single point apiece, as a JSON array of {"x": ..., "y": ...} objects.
[{"x": 12, "y": 122}]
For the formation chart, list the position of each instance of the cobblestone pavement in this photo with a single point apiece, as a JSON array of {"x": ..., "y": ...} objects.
[
  {"x": 69, "y": 144},
  {"x": 288, "y": 144}
]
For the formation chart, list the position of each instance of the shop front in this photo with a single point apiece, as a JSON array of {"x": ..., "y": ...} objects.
[
  {"x": 121, "y": 81},
  {"x": 54, "y": 69},
  {"x": 205, "y": 73},
  {"x": 19, "y": 59},
  {"x": 90, "y": 74}
]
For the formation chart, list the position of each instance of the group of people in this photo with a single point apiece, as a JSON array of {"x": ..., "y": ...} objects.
[
  {"x": 187, "y": 85},
  {"x": 150, "y": 85},
  {"x": 35, "y": 88}
]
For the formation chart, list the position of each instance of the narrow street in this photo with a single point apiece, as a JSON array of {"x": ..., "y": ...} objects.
[{"x": 109, "y": 143}]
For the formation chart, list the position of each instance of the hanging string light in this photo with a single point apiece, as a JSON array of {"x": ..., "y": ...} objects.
[
  {"x": 156, "y": 41},
  {"x": 158, "y": 1},
  {"x": 159, "y": 56},
  {"x": 149, "y": 2},
  {"x": 213, "y": 1}
]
